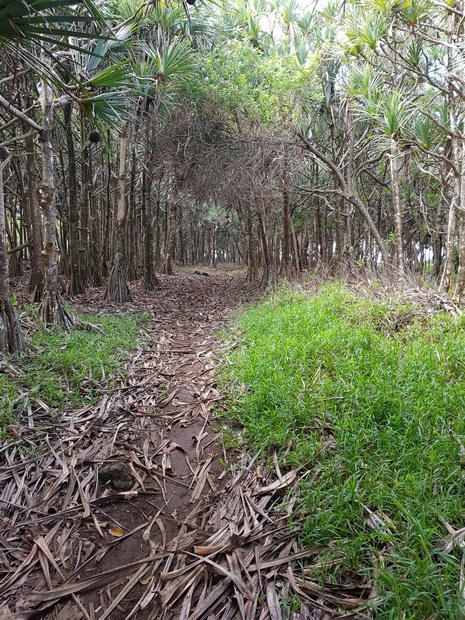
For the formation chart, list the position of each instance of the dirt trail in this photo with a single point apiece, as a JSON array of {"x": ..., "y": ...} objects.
[{"x": 131, "y": 512}]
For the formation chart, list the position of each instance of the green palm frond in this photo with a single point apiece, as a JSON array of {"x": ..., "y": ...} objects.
[
  {"x": 115, "y": 76},
  {"x": 426, "y": 132},
  {"x": 174, "y": 62},
  {"x": 368, "y": 29},
  {"x": 94, "y": 52},
  {"x": 110, "y": 107},
  {"x": 330, "y": 10},
  {"x": 146, "y": 75},
  {"x": 37, "y": 20},
  {"x": 306, "y": 21},
  {"x": 301, "y": 49},
  {"x": 412, "y": 10},
  {"x": 290, "y": 12},
  {"x": 362, "y": 81},
  {"x": 393, "y": 113},
  {"x": 442, "y": 113},
  {"x": 414, "y": 53},
  {"x": 380, "y": 6}
]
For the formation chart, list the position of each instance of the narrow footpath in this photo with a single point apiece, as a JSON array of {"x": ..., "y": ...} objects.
[{"x": 134, "y": 508}]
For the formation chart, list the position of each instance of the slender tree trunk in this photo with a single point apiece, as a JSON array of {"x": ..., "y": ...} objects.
[
  {"x": 51, "y": 309},
  {"x": 250, "y": 247},
  {"x": 95, "y": 238},
  {"x": 460, "y": 285},
  {"x": 36, "y": 280},
  {"x": 450, "y": 240},
  {"x": 397, "y": 207},
  {"x": 76, "y": 284},
  {"x": 11, "y": 339},
  {"x": 107, "y": 225},
  {"x": 169, "y": 240},
  {"x": 286, "y": 265},
  {"x": 131, "y": 221},
  {"x": 453, "y": 114},
  {"x": 150, "y": 279},
  {"x": 297, "y": 263},
  {"x": 437, "y": 240},
  {"x": 269, "y": 272},
  {"x": 117, "y": 287}
]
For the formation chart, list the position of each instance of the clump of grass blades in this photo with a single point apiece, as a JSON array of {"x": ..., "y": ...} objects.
[
  {"x": 68, "y": 368},
  {"x": 379, "y": 416}
]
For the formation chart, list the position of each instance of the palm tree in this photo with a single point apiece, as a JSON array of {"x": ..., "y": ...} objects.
[
  {"x": 25, "y": 25},
  {"x": 164, "y": 65},
  {"x": 25, "y": 29}
]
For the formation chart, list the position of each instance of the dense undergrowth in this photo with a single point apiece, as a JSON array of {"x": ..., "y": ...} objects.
[
  {"x": 66, "y": 369},
  {"x": 370, "y": 402}
]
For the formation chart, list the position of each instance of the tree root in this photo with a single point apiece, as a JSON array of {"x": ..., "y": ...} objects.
[
  {"x": 150, "y": 282},
  {"x": 11, "y": 338},
  {"x": 52, "y": 311},
  {"x": 117, "y": 287}
]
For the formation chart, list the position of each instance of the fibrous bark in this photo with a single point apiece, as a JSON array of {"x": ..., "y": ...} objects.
[
  {"x": 397, "y": 207},
  {"x": 51, "y": 309},
  {"x": 150, "y": 279},
  {"x": 11, "y": 340},
  {"x": 117, "y": 287},
  {"x": 36, "y": 281},
  {"x": 76, "y": 285}
]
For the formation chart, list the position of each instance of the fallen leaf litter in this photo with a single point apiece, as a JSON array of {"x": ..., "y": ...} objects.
[{"x": 125, "y": 510}]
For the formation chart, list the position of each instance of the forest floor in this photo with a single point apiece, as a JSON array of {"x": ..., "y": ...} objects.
[{"x": 133, "y": 508}]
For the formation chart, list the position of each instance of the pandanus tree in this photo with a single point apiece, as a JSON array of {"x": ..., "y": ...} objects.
[
  {"x": 27, "y": 28},
  {"x": 163, "y": 67},
  {"x": 51, "y": 31},
  {"x": 390, "y": 114},
  {"x": 415, "y": 47}
]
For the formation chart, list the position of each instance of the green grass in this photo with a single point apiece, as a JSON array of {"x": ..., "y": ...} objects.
[
  {"x": 67, "y": 369},
  {"x": 371, "y": 401}
]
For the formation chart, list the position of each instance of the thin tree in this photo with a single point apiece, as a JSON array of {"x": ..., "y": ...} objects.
[{"x": 11, "y": 339}]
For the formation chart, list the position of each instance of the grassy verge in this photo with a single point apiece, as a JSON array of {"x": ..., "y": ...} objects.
[
  {"x": 68, "y": 369},
  {"x": 370, "y": 401}
]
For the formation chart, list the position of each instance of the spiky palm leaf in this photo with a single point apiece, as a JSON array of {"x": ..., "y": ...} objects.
[
  {"x": 28, "y": 27},
  {"x": 393, "y": 113},
  {"x": 367, "y": 29},
  {"x": 362, "y": 82},
  {"x": 173, "y": 62},
  {"x": 37, "y": 20},
  {"x": 427, "y": 133}
]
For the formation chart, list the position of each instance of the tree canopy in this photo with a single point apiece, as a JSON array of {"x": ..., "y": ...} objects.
[{"x": 278, "y": 134}]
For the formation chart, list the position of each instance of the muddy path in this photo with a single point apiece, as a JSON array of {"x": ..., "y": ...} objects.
[{"x": 133, "y": 508}]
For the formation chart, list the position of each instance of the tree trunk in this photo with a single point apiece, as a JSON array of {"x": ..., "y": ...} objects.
[
  {"x": 453, "y": 115},
  {"x": 150, "y": 279},
  {"x": 397, "y": 208},
  {"x": 51, "y": 309},
  {"x": 76, "y": 284},
  {"x": 95, "y": 245},
  {"x": 437, "y": 240},
  {"x": 460, "y": 285},
  {"x": 169, "y": 243},
  {"x": 269, "y": 275},
  {"x": 11, "y": 339},
  {"x": 117, "y": 287},
  {"x": 36, "y": 280}
]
